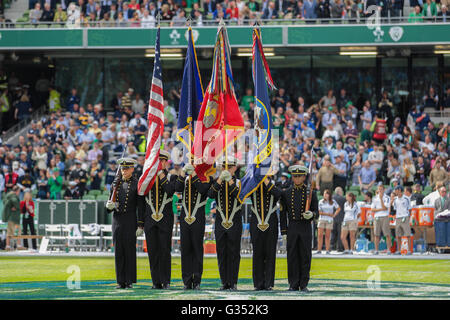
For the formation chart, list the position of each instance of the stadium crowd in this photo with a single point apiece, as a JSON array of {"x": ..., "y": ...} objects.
[
  {"x": 73, "y": 149},
  {"x": 136, "y": 13}
]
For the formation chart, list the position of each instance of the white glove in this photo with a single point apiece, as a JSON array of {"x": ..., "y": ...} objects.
[
  {"x": 139, "y": 232},
  {"x": 308, "y": 215},
  {"x": 284, "y": 238},
  {"x": 225, "y": 175},
  {"x": 110, "y": 205},
  {"x": 188, "y": 169}
]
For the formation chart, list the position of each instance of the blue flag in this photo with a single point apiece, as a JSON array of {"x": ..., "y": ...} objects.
[
  {"x": 191, "y": 96},
  {"x": 260, "y": 155}
]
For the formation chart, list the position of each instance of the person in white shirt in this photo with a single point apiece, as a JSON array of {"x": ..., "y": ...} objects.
[
  {"x": 402, "y": 206},
  {"x": 430, "y": 199},
  {"x": 328, "y": 209},
  {"x": 147, "y": 20},
  {"x": 376, "y": 158},
  {"x": 380, "y": 206},
  {"x": 350, "y": 223}
]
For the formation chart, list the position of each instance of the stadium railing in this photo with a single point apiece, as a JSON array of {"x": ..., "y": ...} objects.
[{"x": 25, "y": 23}]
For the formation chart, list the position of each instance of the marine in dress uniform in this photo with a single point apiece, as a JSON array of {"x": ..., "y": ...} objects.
[
  {"x": 295, "y": 225},
  {"x": 126, "y": 208},
  {"x": 228, "y": 231},
  {"x": 264, "y": 233},
  {"x": 192, "y": 226},
  {"x": 158, "y": 225}
]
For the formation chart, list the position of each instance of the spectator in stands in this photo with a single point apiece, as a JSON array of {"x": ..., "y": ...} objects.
[
  {"x": 55, "y": 183},
  {"x": 328, "y": 209},
  {"x": 309, "y": 10},
  {"x": 444, "y": 16},
  {"x": 27, "y": 209},
  {"x": 443, "y": 202},
  {"x": 356, "y": 168},
  {"x": 270, "y": 12},
  {"x": 323, "y": 9},
  {"x": 42, "y": 185},
  {"x": 431, "y": 99},
  {"x": 48, "y": 14},
  {"x": 90, "y": 7},
  {"x": 36, "y": 13},
  {"x": 367, "y": 177},
  {"x": 179, "y": 20},
  {"x": 209, "y": 6},
  {"x": 438, "y": 174},
  {"x": 397, "y": 8},
  {"x": 23, "y": 109},
  {"x": 430, "y": 9},
  {"x": 416, "y": 15},
  {"x": 324, "y": 178},
  {"x": 147, "y": 21},
  {"x": 337, "y": 7}
]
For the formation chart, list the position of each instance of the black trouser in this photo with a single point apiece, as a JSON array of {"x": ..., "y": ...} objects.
[
  {"x": 124, "y": 238},
  {"x": 29, "y": 223},
  {"x": 340, "y": 182},
  {"x": 299, "y": 237},
  {"x": 335, "y": 241},
  {"x": 159, "y": 243},
  {"x": 191, "y": 238},
  {"x": 264, "y": 245},
  {"x": 228, "y": 246}
]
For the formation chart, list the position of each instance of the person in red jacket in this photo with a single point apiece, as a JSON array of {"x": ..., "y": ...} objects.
[
  {"x": 27, "y": 209},
  {"x": 10, "y": 180}
]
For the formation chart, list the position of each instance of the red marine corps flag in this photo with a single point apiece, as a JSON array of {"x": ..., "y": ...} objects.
[
  {"x": 219, "y": 122},
  {"x": 155, "y": 118}
]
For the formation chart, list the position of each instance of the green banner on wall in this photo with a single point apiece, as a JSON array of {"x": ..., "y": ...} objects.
[
  {"x": 342, "y": 34},
  {"x": 40, "y": 38},
  {"x": 282, "y": 35},
  {"x": 177, "y": 37}
]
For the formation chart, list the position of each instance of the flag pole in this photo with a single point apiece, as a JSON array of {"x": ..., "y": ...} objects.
[
  {"x": 158, "y": 25},
  {"x": 188, "y": 23}
]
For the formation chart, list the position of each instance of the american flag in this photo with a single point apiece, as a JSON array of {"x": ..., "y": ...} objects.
[{"x": 155, "y": 126}]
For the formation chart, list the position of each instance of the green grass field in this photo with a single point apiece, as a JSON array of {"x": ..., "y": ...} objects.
[{"x": 45, "y": 278}]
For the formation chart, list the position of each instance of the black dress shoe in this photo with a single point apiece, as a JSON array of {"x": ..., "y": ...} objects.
[
  {"x": 157, "y": 286},
  {"x": 305, "y": 290},
  {"x": 269, "y": 289},
  {"x": 224, "y": 287},
  {"x": 259, "y": 288},
  {"x": 233, "y": 287},
  {"x": 187, "y": 287},
  {"x": 129, "y": 286},
  {"x": 197, "y": 286},
  {"x": 292, "y": 289},
  {"x": 166, "y": 286},
  {"x": 120, "y": 286}
]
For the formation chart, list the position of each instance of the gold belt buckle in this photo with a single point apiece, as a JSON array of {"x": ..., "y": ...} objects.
[
  {"x": 189, "y": 220},
  {"x": 157, "y": 217},
  {"x": 227, "y": 224}
]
